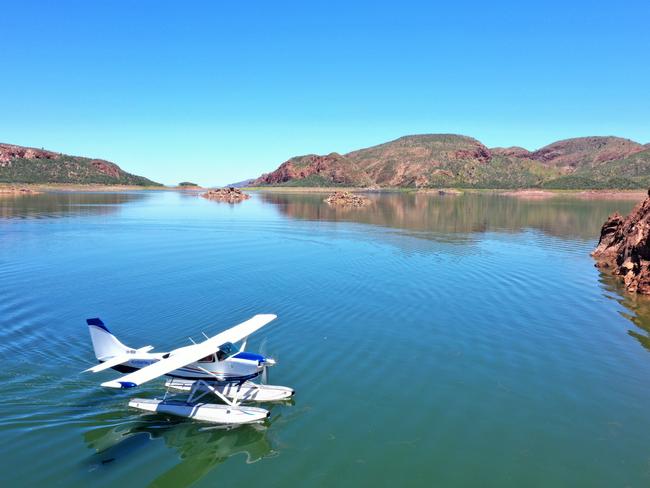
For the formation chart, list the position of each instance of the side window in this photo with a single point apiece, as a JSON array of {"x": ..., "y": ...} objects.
[
  {"x": 207, "y": 359},
  {"x": 226, "y": 350}
]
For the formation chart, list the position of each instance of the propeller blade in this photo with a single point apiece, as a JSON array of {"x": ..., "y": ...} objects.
[{"x": 265, "y": 375}]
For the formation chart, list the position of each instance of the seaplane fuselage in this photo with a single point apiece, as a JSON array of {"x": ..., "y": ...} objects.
[{"x": 240, "y": 366}]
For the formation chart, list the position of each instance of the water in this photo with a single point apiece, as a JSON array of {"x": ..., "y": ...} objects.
[{"x": 432, "y": 340}]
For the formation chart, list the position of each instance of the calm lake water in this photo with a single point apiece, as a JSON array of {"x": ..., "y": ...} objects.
[{"x": 432, "y": 340}]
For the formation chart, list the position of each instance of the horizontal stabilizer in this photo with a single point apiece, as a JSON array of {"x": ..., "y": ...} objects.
[{"x": 122, "y": 358}]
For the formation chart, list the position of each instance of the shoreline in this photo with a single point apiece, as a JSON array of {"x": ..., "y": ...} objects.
[
  {"x": 523, "y": 193},
  {"x": 71, "y": 187},
  {"x": 534, "y": 194}
]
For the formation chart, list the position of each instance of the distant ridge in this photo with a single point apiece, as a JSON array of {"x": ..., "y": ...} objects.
[
  {"x": 241, "y": 184},
  {"x": 20, "y": 164},
  {"x": 450, "y": 160}
]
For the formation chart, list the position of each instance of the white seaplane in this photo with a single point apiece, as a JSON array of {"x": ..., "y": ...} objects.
[{"x": 215, "y": 366}]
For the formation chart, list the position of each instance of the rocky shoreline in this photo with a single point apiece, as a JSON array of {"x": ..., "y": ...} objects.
[
  {"x": 228, "y": 195},
  {"x": 624, "y": 247}
]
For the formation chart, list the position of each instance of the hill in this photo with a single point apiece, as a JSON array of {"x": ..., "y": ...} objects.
[
  {"x": 20, "y": 164},
  {"x": 449, "y": 160}
]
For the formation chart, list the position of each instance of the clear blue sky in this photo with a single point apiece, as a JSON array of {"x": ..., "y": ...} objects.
[{"x": 216, "y": 92}]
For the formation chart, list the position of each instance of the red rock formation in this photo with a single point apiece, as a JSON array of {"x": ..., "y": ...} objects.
[
  {"x": 10, "y": 151},
  {"x": 624, "y": 247},
  {"x": 106, "y": 167},
  {"x": 481, "y": 154},
  {"x": 329, "y": 167}
]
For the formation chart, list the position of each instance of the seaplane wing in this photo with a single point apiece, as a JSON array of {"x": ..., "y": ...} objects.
[
  {"x": 243, "y": 330},
  {"x": 190, "y": 354}
]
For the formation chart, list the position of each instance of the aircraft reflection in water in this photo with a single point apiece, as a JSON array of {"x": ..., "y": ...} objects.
[{"x": 200, "y": 447}]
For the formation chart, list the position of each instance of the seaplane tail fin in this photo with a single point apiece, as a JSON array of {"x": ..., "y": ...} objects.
[{"x": 105, "y": 344}]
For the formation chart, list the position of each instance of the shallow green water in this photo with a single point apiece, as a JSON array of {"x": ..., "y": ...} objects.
[{"x": 432, "y": 340}]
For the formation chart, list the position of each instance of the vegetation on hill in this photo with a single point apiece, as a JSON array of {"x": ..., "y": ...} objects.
[
  {"x": 28, "y": 165},
  {"x": 448, "y": 160}
]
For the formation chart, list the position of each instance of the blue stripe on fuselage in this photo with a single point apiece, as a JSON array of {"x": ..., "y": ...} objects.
[{"x": 251, "y": 356}]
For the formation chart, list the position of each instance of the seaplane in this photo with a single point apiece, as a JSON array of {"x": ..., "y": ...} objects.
[{"x": 215, "y": 366}]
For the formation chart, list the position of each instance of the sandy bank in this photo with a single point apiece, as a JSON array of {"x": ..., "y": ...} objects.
[
  {"x": 581, "y": 194},
  {"x": 17, "y": 190}
]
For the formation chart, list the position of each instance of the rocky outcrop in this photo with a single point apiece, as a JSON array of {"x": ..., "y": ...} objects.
[
  {"x": 346, "y": 199},
  {"x": 10, "y": 151},
  {"x": 624, "y": 247},
  {"x": 106, "y": 168},
  {"x": 229, "y": 195}
]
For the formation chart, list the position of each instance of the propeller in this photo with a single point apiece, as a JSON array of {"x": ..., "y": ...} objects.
[
  {"x": 267, "y": 362},
  {"x": 265, "y": 369},
  {"x": 265, "y": 374}
]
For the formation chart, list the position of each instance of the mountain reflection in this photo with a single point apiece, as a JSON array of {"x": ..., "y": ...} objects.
[
  {"x": 53, "y": 205},
  {"x": 200, "y": 447},
  {"x": 467, "y": 213}
]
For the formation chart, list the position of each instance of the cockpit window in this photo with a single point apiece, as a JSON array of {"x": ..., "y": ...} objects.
[
  {"x": 207, "y": 359},
  {"x": 226, "y": 350}
]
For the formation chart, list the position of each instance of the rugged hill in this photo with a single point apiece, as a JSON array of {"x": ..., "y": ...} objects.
[
  {"x": 29, "y": 165},
  {"x": 585, "y": 152},
  {"x": 438, "y": 160}
]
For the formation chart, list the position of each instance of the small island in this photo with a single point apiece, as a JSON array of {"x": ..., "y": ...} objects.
[
  {"x": 624, "y": 247},
  {"x": 229, "y": 195},
  {"x": 346, "y": 199}
]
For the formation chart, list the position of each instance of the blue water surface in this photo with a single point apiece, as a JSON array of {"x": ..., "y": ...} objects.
[{"x": 432, "y": 340}]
